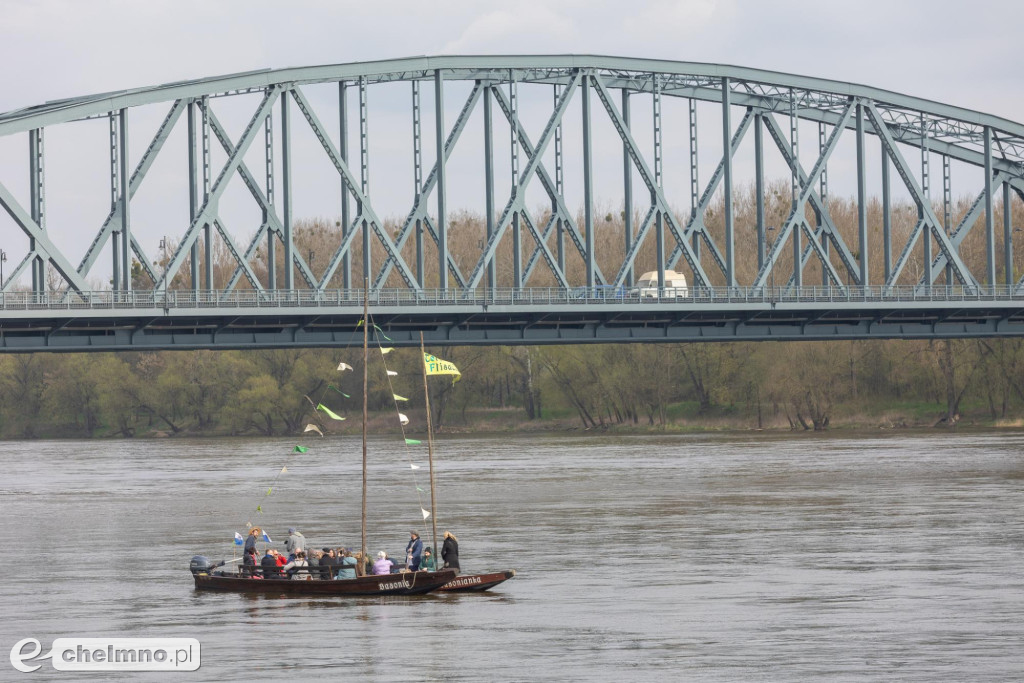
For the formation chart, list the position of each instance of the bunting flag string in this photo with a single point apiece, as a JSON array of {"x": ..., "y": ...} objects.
[{"x": 330, "y": 413}]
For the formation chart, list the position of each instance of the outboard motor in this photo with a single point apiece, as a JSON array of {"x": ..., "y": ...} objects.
[{"x": 200, "y": 564}]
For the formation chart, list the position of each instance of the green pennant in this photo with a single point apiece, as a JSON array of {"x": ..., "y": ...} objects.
[
  {"x": 412, "y": 442},
  {"x": 331, "y": 386},
  {"x": 300, "y": 449},
  {"x": 259, "y": 508},
  {"x": 330, "y": 413},
  {"x": 269, "y": 490}
]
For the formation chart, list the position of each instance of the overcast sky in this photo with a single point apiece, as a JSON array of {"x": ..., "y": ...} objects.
[{"x": 966, "y": 54}]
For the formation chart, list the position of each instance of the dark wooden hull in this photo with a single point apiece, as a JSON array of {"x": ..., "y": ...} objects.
[
  {"x": 409, "y": 583},
  {"x": 467, "y": 583}
]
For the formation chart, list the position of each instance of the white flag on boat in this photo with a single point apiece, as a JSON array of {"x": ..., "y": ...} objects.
[
  {"x": 425, "y": 513},
  {"x": 344, "y": 366},
  {"x": 238, "y": 539},
  {"x": 266, "y": 537},
  {"x": 392, "y": 373},
  {"x": 403, "y": 419},
  {"x": 415, "y": 467},
  {"x": 313, "y": 428}
]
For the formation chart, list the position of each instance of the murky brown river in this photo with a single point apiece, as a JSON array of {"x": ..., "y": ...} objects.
[{"x": 740, "y": 557}]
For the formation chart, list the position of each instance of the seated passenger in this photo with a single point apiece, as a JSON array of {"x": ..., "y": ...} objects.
[
  {"x": 383, "y": 565},
  {"x": 270, "y": 566},
  {"x": 298, "y": 569},
  {"x": 348, "y": 566},
  {"x": 326, "y": 563},
  {"x": 427, "y": 564}
]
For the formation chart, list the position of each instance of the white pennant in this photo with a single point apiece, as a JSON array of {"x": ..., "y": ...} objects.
[
  {"x": 415, "y": 467},
  {"x": 425, "y": 513},
  {"x": 313, "y": 428},
  {"x": 344, "y": 366},
  {"x": 392, "y": 373},
  {"x": 403, "y": 419}
]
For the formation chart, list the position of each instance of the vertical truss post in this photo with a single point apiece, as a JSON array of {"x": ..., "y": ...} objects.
[
  {"x": 559, "y": 187},
  {"x": 730, "y": 246},
  {"x": 990, "y": 231},
  {"x": 207, "y": 172},
  {"x": 517, "y": 238},
  {"x": 268, "y": 140},
  {"x": 694, "y": 180},
  {"x": 823, "y": 192},
  {"x": 417, "y": 173},
  {"x": 947, "y": 209},
  {"x": 286, "y": 191},
  {"x": 37, "y": 199},
  {"x": 659, "y": 221},
  {"x": 627, "y": 190},
  {"x": 862, "y": 198},
  {"x": 759, "y": 189},
  {"x": 193, "y": 192},
  {"x": 489, "y": 180},
  {"x": 126, "y": 243},
  {"x": 794, "y": 184},
  {"x": 1007, "y": 236},
  {"x": 364, "y": 176},
  {"x": 346, "y": 260},
  {"x": 926, "y": 242},
  {"x": 442, "y": 219},
  {"x": 588, "y": 190},
  {"x": 115, "y": 196},
  {"x": 886, "y": 216}
]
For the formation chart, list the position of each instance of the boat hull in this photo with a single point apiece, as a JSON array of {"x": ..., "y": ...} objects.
[
  {"x": 408, "y": 583},
  {"x": 468, "y": 583}
]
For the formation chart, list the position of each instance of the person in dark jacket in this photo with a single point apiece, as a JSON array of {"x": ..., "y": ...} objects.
[
  {"x": 413, "y": 552},
  {"x": 450, "y": 551},
  {"x": 270, "y": 566},
  {"x": 250, "y": 540},
  {"x": 327, "y": 561}
]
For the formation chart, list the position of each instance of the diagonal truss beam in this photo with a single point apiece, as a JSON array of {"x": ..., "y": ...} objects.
[
  {"x": 657, "y": 195},
  {"x": 113, "y": 219},
  {"x": 419, "y": 210},
  {"x": 695, "y": 225},
  {"x": 964, "y": 227},
  {"x": 515, "y": 202},
  {"x": 367, "y": 209},
  {"x": 44, "y": 247},
  {"x": 828, "y": 227},
  {"x": 929, "y": 220},
  {"x": 208, "y": 212},
  {"x": 796, "y": 216},
  {"x": 557, "y": 200}
]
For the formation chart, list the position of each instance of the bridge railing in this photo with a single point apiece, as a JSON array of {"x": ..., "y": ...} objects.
[{"x": 11, "y": 302}]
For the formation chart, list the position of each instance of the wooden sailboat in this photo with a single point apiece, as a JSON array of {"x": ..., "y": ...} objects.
[{"x": 210, "y": 576}]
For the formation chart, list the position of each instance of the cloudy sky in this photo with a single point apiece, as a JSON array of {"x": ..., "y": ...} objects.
[{"x": 938, "y": 50}]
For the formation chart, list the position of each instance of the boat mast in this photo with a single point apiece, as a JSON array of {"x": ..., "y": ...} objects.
[
  {"x": 430, "y": 448},
  {"x": 366, "y": 357}
]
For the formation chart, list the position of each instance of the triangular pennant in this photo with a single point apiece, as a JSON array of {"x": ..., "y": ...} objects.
[
  {"x": 403, "y": 419},
  {"x": 269, "y": 490},
  {"x": 330, "y": 413},
  {"x": 259, "y": 508},
  {"x": 419, "y": 489},
  {"x": 331, "y": 386},
  {"x": 344, "y": 366},
  {"x": 283, "y": 470},
  {"x": 313, "y": 428},
  {"x": 300, "y": 449},
  {"x": 392, "y": 373},
  {"x": 412, "y": 442},
  {"x": 415, "y": 467},
  {"x": 425, "y": 513},
  {"x": 386, "y": 351},
  {"x": 399, "y": 398}
]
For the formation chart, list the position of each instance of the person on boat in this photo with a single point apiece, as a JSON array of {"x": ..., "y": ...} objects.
[
  {"x": 383, "y": 565},
  {"x": 348, "y": 566},
  {"x": 363, "y": 565},
  {"x": 298, "y": 569},
  {"x": 327, "y": 562},
  {"x": 249, "y": 562},
  {"x": 450, "y": 551},
  {"x": 250, "y": 540},
  {"x": 413, "y": 552},
  {"x": 294, "y": 543},
  {"x": 270, "y": 565},
  {"x": 428, "y": 564}
]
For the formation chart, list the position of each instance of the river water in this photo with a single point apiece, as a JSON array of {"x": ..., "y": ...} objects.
[{"x": 736, "y": 557}]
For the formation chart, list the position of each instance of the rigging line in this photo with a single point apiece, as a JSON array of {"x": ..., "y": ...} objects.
[{"x": 408, "y": 451}]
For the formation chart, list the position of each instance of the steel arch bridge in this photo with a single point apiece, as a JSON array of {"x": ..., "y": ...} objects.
[{"x": 891, "y": 269}]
